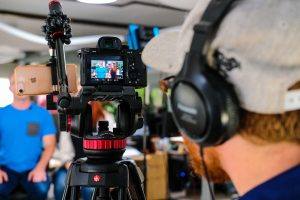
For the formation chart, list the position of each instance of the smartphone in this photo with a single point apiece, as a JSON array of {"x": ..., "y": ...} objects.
[{"x": 37, "y": 80}]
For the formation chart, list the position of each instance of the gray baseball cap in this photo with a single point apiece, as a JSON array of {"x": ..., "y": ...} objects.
[{"x": 262, "y": 35}]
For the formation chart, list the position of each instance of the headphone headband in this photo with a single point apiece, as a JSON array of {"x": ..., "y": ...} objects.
[{"x": 211, "y": 18}]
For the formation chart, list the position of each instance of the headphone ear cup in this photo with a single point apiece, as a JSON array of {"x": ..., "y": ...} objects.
[
  {"x": 208, "y": 110},
  {"x": 189, "y": 110},
  {"x": 228, "y": 100},
  {"x": 232, "y": 109}
]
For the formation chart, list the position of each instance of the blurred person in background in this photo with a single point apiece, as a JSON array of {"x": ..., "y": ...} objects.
[{"x": 27, "y": 142}]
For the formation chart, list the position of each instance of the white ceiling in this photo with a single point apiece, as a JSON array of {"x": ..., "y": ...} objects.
[
  {"x": 88, "y": 19},
  {"x": 134, "y": 13}
]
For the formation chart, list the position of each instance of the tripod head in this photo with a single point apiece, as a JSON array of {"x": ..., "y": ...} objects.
[{"x": 103, "y": 143}]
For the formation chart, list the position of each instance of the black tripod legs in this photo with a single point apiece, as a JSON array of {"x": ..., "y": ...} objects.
[{"x": 121, "y": 180}]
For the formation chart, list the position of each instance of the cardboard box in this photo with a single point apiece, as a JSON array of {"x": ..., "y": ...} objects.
[{"x": 157, "y": 175}]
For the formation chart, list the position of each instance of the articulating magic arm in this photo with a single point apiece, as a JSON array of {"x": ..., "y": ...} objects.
[{"x": 58, "y": 33}]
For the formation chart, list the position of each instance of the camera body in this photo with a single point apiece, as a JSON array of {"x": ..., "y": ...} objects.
[{"x": 112, "y": 64}]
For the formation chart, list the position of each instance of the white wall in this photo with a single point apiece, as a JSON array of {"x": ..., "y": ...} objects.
[{"x": 6, "y": 97}]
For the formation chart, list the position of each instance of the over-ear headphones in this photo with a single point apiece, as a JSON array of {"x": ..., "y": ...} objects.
[{"x": 205, "y": 105}]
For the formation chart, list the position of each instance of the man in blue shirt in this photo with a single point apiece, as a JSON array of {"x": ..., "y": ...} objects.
[
  {"x": 27, "y": 142},
  {"x": 256, "y": 47}
]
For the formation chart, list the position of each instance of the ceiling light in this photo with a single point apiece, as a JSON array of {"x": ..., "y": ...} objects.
[{"x": 97, "y": 1}]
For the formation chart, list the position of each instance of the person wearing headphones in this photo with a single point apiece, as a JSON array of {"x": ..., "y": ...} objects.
[{"x": 236, "y": 93}]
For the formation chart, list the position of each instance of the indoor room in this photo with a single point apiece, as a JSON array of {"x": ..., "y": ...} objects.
[{"x": 149, "y": 99}]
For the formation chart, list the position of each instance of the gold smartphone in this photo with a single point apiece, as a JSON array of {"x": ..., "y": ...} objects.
[{"x": 36, "y": 79}]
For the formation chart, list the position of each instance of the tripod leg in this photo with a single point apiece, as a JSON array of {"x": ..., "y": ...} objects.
[
  {"x": 135, "y": 181},
  {"x": 71, "y": 193},
  {"x": 96, "y": 192},
  {"x": 122, "y": 194},
  {"x": 67, "y": 183},
  {"x": 74, "y": 193}
]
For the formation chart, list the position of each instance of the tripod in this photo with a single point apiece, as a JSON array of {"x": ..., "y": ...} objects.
[{"x": 113, "y": 177}]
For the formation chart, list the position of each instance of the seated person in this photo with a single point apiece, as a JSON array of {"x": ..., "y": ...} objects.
[{"x": 27, "y": 142}]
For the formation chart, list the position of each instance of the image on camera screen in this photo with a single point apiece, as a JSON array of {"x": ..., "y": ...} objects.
[{"x": 109, "y": 70}]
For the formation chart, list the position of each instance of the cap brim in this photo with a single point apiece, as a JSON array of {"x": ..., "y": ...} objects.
[{"x": 161, "y": 52}]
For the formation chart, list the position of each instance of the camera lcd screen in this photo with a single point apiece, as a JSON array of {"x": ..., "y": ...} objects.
[{"x": 106, "y": 69}]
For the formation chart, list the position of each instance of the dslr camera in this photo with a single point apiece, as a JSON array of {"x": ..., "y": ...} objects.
[{"x": 112, "y": 64}]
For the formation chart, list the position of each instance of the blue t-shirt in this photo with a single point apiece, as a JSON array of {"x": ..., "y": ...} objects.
[
  {"x": 101, "y": 72},
  {"x": 21, "y": 136},
  {"x": 285, "y": 186}
]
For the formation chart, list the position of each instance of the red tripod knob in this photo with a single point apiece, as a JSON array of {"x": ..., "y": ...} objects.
[{"x": 101, "y": 144}]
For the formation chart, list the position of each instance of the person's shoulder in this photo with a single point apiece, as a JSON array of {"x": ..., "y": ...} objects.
[{"x": 5, "y": 108}]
